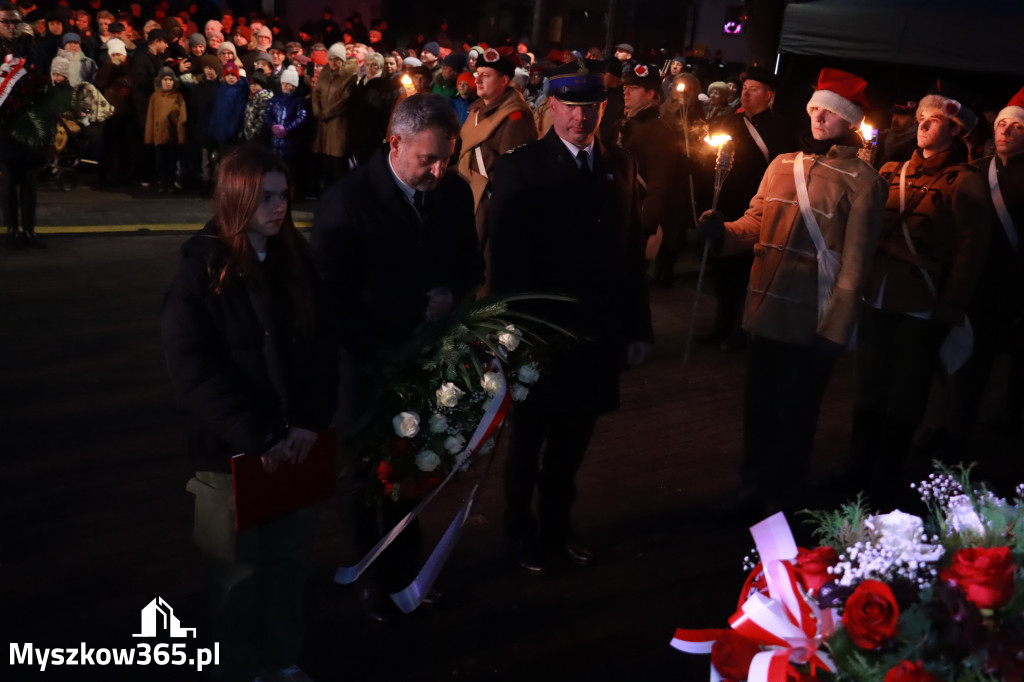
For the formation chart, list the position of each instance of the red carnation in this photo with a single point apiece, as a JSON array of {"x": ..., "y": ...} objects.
[
  {"x": 983, "y": 574},
  {"x": 732, "y": 653},
  {"x": 812, "y": 566},
  {"x": 871, "y": 616},
  {"x": 910, "y": 672},
  {"x": 384, "y": 472}
]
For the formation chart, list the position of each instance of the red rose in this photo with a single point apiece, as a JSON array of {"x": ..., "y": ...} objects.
[
  {"x": 732, "y": 653},
  {"x": 910, "y": 672},
  {"x": 871, "y": 615},
  {"x": 812, "y": 566},
  {"x": 385, "y": 472},
  {"x": 983, "y": 574}
]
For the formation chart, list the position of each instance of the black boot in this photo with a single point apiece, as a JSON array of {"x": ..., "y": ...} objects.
[
  {"x": 14, "y": 240},
  {"x": 34, "y": 240}
]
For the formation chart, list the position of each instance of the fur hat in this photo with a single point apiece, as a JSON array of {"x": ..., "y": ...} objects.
[
  {"x": 719, "y": 85},
  {"x": 336, "y": 51},
  {"x": 60, "y": 66},
  {"x": 290, "y": 75},
  {"x": 841, "y": 93},
  {"x": 949, "y": 101},
  {"x": 116, "y": 46},
  {"x": 196, "y": 39},
  {"x": 504, "y": 60},
  {"x": 1014, "y": 109}
]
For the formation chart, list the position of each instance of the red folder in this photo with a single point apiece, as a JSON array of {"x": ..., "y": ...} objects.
[{"x": 262, "y": 496}]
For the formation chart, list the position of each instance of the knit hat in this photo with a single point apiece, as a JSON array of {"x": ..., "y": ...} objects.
[
  {"x": 196, "y": 39},
  {"x": 521, "y": 77},
  {"x": 265, "y": 32},
  {"x": 290, "y": 75},
  {"x": 258, "y": 77},
  {"x": 163, "y": 73},
  {"x": 504, "y": 60},
  {"x": 337, "y": 51},
  {"x": 949, "y": 101},
  {"x": 213, "y": 25},
  {"x": 244, "y": 31},
  {"x": 60, "y": 66},
  {"x": 208, "y": 60},
  {"x": 71, "y": 38},
  {"x": 319, "y": 57},
  {"x": 433, "y": 48},
  {"x": 841, "y": 93},
  {"x": 116, "y": 46},
  {"x": 230, "y": 47},
  {"x": 230, "y": 67},
  {"x": 411, "y": 63},
  {"x": 456, "y": 60},
  {"x": 468, "y": 78},
  {"x": 1014, "y": 109}
]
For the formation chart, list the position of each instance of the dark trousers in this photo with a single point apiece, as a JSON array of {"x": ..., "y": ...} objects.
[
  {"x": 785, "y": 383},
  {"x": 896, "y": 360},
  {"x": 545, "y": 451},
  {"x": 732, "y": 273},
  {"x": 18, "y": 183},
  {"x": 167, "y": 164}
]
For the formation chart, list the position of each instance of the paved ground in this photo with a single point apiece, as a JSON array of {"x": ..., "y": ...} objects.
[{"x": 97, "y": 522}]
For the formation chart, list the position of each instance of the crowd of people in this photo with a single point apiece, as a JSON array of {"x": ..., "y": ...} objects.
[{"x": 445, "y": 171}]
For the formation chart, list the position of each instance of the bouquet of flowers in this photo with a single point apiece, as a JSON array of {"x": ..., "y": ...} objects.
[
  {"x": 444, "y": 403},
  {"x": 886, "y": 598}
]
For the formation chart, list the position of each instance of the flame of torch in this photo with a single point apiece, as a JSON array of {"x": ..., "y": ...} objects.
[
  {"x": 406, "y": 80},
  {"x": 723, "y": 163},
  {"x": 867, "y": 133}
]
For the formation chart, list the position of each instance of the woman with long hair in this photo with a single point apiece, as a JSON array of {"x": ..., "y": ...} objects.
[{"x": 251, "y": 361}]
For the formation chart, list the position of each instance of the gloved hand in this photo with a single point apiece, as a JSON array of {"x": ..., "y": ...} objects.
[
  {"x": 711, "y": 225},
  {"x": 278, "y": 130}
]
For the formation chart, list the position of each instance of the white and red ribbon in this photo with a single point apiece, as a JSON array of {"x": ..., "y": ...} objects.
[{"x": 787, "y": 624}]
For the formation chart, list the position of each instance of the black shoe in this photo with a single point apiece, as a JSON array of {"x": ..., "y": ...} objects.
[
  {"x": 578, "y": 553},
  {"x": 14, "y": 240},
  {"x": 34, "y": 240},
  {"x": 528, "y": 557},
  {"x": 376, "y": 605}
]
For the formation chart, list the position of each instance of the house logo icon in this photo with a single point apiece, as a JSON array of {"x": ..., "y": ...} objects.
[{"x": 158, "y": 618}]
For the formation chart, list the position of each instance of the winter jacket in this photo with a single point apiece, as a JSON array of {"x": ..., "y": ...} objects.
[
  {"x": 228, "y": 111},
  {"x": 948, "y": 215},
  {"x": 201, "y": 100},
  {"x": 847, "y": 197},
  {"x": 115, "y": 85},
  {"x": 332, "y": 98},
  {"x": 253, "y": 127},
  {"x": 1000, "y": 291},
  {"x": 167, "y": 117},
  {"x": 289, "y": 111},
  {"x": 144, "y": 68},
  {"x": 236, "y": 362}
]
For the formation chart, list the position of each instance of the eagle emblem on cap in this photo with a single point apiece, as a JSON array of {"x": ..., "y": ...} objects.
[
  {"x": 491, "y": 55},
  {"x": 641, "y": 70},
  {"x": 583, "y": 66},
  {"x": 950, "y": 108}
]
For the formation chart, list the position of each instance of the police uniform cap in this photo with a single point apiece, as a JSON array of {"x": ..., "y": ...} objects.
[{"x": 578, "y": 82}]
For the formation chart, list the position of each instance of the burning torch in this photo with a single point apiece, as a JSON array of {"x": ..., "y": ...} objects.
[
  {"x": 723, "y": 164},
  {"x": 870, "y": 137},
  {"x": 406, "y": 81}
]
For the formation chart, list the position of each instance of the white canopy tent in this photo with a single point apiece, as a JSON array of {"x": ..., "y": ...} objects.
[{"x": 970, "y": 35}]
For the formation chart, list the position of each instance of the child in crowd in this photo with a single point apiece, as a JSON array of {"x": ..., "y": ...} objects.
[
  {"x": 285, "y": 116},
  {"x": 166, "y": 122},
  {"x": 253, "y": 128},
  {"x": 466, "y": 85},
  {"x": 229, "y": 109}
]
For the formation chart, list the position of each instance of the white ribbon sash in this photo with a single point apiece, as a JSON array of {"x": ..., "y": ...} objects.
[
  {"x": 829, "y": 262},
  {"x": 758, "y": 140},
  {"x": 997, "y": 201}
]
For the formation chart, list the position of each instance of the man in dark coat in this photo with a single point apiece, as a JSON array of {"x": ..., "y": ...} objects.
[
  {"x": 565, "y": 219},
  {"x": 759, "y": 135},
  {"x": 145, "y": 65},
  {"x": 659, "y": 167},
  {"x": 397, "y": 248}
]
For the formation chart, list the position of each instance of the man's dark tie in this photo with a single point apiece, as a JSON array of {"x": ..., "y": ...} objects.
[
  {"x": 583, "y": 159},
  {"x": 417, "y": 201}
]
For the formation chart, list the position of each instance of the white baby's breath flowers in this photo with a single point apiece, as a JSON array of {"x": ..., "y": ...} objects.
[
  {"x": 938, "y": 489},
  {"x": 899, "y": 548}
]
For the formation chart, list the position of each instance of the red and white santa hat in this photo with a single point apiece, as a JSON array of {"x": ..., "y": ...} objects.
[
  {"x": 1014, "y": 108},
  {"x": 841, "y": 93}
]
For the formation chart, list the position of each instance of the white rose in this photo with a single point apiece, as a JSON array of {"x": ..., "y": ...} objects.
[
  {"x": 448, "y": 395},
  {"x": 491, "y": 382},
  {"x": 902, "y": 536},
  {"x": 455, "y": 444},
  {"x": 519, "y": 393},
  {"x": 427, "y": 460},
  {"x": 528, "y": 373},
  {"x": 407, "y": 424},
  {"x": 510, "y": 338},
  {"x": 962, "y": 518},
  {"x": 438, "y": 423}
]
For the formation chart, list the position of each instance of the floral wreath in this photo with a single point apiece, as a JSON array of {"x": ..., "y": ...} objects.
[
  {"x": 641, "y": 70},
  {"x": 491, "y": 55}
]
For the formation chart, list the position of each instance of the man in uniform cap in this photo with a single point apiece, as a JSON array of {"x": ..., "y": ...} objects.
[
  {"x": 624, "y": 52},
  {"x": 812, "y": 226},
  {"x": 659, "y": 165},
  {"x": 499, "y": 120},
  {"x": 565, "y": 218},
  {"x": 899, "y": 141},
  {"x": 758, "y": 136},
  {"x": 930, "y": 255}
]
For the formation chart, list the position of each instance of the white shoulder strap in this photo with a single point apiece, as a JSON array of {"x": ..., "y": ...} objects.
[
  {"x": 997, "y": 201},
  {"x": 805, "y": 202},
  {"x": 906, "y": 232},
  {"x": 480, "y": 161},
  {"x": 758, "y": 140}
]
